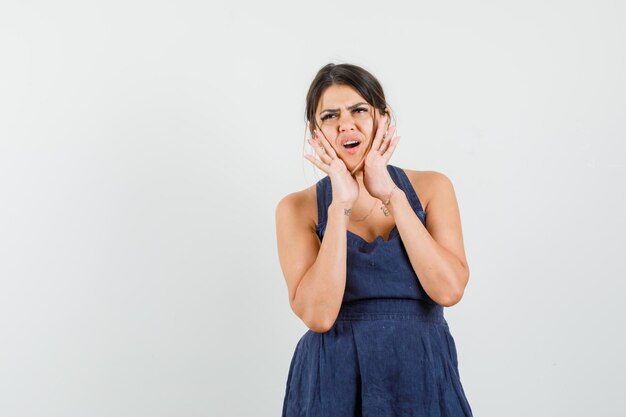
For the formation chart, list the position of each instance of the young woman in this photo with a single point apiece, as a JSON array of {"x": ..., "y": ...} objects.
[{"x": 371, "y": 254}]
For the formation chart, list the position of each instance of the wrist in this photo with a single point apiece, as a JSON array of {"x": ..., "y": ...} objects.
[
  {"x": 393, "y": 196},
  {"x": 340, "y": 211}
]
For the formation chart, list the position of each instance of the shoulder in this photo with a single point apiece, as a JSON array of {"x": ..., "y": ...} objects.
[
  {"x": 299, "y": 205},
  {"x": 427, "y": 184}
]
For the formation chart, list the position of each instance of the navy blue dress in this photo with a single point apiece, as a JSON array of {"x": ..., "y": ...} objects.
[{"x": 390, "y": 352}]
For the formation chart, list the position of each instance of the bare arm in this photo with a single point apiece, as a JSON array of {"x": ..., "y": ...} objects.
[
  {"x": 436, "y": 251},
  {"x": 315, "y": 272}
]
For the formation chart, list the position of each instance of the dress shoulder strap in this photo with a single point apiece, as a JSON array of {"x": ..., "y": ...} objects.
[{"x": 324, "y": 196}]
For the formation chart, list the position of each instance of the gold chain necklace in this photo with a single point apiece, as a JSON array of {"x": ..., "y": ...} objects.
[{"x": 367, "y": 215}]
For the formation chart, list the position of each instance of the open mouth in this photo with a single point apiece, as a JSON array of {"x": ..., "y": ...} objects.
[{"x": 352, "y": 146}]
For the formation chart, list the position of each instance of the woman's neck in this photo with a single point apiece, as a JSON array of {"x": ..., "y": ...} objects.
[{"x": 364, "y": 196}]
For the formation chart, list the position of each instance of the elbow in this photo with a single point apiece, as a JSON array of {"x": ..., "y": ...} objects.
[
  {"x": 319, "y": 328},
  {"x": 317, "y": 322},
  {"x": 452, "y": 297},
  {"x": 311, "y": 317}
]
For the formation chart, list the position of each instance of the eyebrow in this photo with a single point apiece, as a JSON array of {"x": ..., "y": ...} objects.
[{"x": 349, "y": 108}]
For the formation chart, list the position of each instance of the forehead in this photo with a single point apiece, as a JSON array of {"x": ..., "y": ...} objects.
[{"x": 338, "y": 96}]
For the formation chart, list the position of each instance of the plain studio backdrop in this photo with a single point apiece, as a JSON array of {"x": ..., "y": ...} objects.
[{"x": 144, "y": 147}]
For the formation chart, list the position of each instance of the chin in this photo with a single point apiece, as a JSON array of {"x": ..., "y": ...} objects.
[{"x": 352, "y": 165}]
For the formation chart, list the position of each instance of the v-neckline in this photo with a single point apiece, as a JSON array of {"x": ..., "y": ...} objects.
[
  {"x": 400, "y": 178},
  {"x": 392, "y": 235}
]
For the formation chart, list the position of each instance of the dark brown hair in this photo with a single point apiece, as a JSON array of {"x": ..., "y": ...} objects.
[{"x": 344, "y": 74}]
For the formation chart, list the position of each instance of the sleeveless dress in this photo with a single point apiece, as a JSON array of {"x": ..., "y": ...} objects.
[{"x": 390, "y": 352}]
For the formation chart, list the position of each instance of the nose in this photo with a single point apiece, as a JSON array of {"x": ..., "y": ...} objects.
[{"x": 346, "y": 121}]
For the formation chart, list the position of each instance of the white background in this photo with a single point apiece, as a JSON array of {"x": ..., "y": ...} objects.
[{"x": 144, "y": 146}]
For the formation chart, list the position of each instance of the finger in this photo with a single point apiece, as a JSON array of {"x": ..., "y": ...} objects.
[
  {"x": 382, "y": 122},
  {"x": 320, "y": 151},
  {"x": 392, "y": 147},
  {"x": 387, "y": 139},
  {"x": 317, "y": 146},
  {"x": 329, "y": 149},
  {"x": 323, "y": 167},
  {"x": 384, "y": 145}
]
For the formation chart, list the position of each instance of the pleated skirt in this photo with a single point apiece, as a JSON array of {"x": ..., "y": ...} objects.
[{"x": 381, "y": 358}]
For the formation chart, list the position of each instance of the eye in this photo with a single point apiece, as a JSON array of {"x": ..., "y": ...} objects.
[{"x": 357, "y": 110}]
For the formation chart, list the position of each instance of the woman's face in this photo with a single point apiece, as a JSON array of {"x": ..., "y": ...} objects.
[{"x": 343, "y": 116}]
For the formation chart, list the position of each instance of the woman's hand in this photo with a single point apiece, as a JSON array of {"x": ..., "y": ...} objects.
[
  {"x": 345, "y": 187},
  {"x": 376, "y": 178}
]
